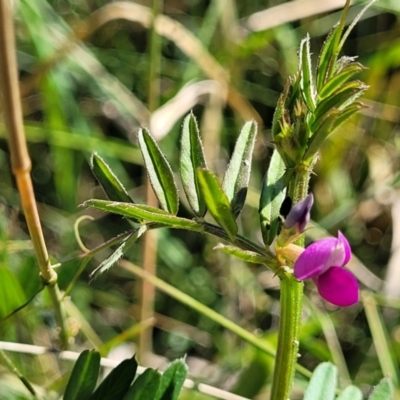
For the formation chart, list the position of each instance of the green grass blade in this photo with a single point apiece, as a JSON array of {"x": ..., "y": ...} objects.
[
  {"x": 160, "y": 173},
  {"x": 237, "y": 176}
]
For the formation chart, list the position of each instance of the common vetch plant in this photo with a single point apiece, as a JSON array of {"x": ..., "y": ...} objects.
[{"x": 315, "y": 102}]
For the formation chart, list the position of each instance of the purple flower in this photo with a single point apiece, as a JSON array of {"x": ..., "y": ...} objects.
[
  {"x": 299, "y": 215},
  {"x": 323, "y": 261}
]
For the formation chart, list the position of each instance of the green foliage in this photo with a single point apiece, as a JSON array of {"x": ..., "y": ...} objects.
[
  {"x": 86, "y": 98},
  {"x": 84, "y": 376},
  {"x": 117, "y": 385},
  {"x": 112, "y": 186},
  {"x": 117, "y": 382},
  {"x": 160, "y": 173},
  {"x": 237, "y": 176},
  {"x": 145, "y": 386},
  {"x": 172, "y": 381},
  {"x": 272, "y": 195},
  {"x": 192, "y": 158},
  {"x": 217, "y": 202},
  {"x": 324, "y": 381}
]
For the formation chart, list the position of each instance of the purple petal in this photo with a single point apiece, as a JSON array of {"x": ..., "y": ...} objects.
[
  {"x": 346, "y": 246},
  {"x": 338, "y": 286},
  {"x": 300, "y": 213},
  {"x": 316, "y": 259}
]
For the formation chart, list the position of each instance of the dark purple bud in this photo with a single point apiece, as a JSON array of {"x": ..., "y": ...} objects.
[{"x": 299, "y": 215}]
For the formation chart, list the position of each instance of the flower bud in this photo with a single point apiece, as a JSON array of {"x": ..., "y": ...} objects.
[{"x": 299, "y": 215}]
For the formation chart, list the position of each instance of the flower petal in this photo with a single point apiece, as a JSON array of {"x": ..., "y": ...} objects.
[
  {"x": 338, "y": 286},
  {"x": 315, "y": 259},
  {"x": 300, "y": 214},
  {"x": 346, "y": 247}
]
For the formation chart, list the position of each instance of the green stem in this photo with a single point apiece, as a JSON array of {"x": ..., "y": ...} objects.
[
  {"x": 9, "y": 364},
  {"x": 288, "y": 344},
  {"x": 291, "y": 308}
]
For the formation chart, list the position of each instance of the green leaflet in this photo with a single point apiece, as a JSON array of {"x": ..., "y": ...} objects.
[
  {"x": 117, "y": 382},
  {"x": 272, "y": 195},
  {"x": 145, "y": 386},
  {"x": 343, "y": 96},
  {"x": 245, "y": 255},
  {"x": 172, "y": 381},
  {"x": 191, "y": 158},
  {"x": 160, "y": 173},
  {"x": 217, "y": 202},
  {"x": 84, "y": 376},
  {"x": 237, "y": 175},
  {"x": 112, "y": 186},
  {"x": 323, "y": 383},
  {"x": 351, "y": 393},
  {"x": 339, "y": 79},
  {"x": 306, "y": 78},
  {"x": 325, "y": 128},
  {"x": 382, "y": 391},
  {"x": 118, "y": 253},
  {"x": 327, "y": 55},
  {"x": 143, "y": 213}
]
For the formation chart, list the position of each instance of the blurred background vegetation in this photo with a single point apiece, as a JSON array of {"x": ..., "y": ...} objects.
[{"x": 89, "y": 80}]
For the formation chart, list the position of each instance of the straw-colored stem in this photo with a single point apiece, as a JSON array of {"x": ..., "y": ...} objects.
[{"x": 20, "y": 160}]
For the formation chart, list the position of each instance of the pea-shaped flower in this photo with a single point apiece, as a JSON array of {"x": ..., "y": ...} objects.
[{"x": 324, "y": 261}]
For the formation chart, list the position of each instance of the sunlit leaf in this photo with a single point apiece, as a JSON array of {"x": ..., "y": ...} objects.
[
  {"x": 306, "y": 78},
  {"x": 143, "y": 213},
  {"x": 160, "y": 173},
  {"x": 172, "y": 381},
  {"x": 272, "y": 196},
  {"x": 324, "y": 129},
  {"x": 217, "y": 202},
  {"x": 117, "y": 382},
  {"x": 191, "y": 158},
  {"x": 237, "y": 176},
  {"x": 323, "y": 383},
  {"x": 84, "y": 376},
  {"x": 145, "y": 386},
  {"x": 339, "y": 79},
  {"x": 343, "y": 96},
  {"x": 112, "y": 186},
  {"x": 326, "y": 56},
  {"x": 382, "y": 391},
  {"x": 351, "y": 393}
]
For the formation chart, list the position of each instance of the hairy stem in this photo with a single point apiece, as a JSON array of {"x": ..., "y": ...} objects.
[{"x": 291, "y": 304}]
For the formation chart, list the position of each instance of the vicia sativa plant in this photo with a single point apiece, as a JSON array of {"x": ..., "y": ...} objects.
[{"x": 314, "y": 103}]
